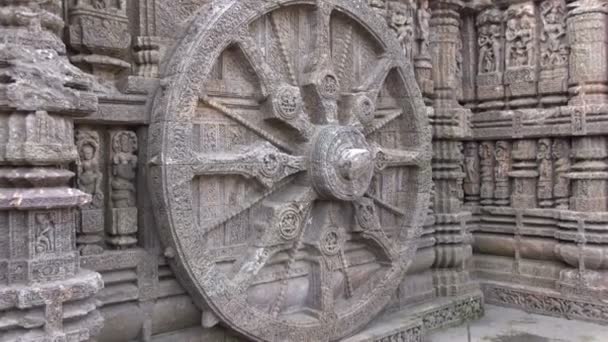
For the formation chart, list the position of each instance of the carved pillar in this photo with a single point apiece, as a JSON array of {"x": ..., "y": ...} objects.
[
  {"x": 472, "y": 181},
  {"x": 99, "y": 31},
  {"x": 448, "y": 176},
  {"x": 39, "y": 266},
  {"x": 521, "y": 55},
  {"x": 446, "y": 49},
  {"x": 554, "y": 53},
  {"x": 589, "y": 174},
  {"x": 502, "y": 156},
  {"x": 587, "y": 26},
  {"x": 582, "y": 234},
  {"x": 545, "y": 173},
  {"x": 490, "y": 35},
  {"x": 147, "y": 56},
  {"x": 486, "y": 155},
  {"x": 453, "y": 247},
  {"x": 123, "y": 164},
  {"x": 524, "y": 174}
]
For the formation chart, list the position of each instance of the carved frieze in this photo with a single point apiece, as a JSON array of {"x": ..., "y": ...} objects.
[
  {"x": 99, "y": 31},
  {"x": 548, "y": 304}
]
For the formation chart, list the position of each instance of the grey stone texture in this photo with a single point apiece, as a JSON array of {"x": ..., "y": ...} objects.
[
  {"x": 510, "y": 325},
  {"x": 299, "y": 170}
]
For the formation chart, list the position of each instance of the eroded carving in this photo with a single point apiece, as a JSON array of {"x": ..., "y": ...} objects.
[
  {"x": 90, "y": 181},
  {"x": 303, "y": 202},
  {"x": 123, "y": 190}
]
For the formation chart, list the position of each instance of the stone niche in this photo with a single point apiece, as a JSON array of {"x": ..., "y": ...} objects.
[{"x": 310, "y": 170}]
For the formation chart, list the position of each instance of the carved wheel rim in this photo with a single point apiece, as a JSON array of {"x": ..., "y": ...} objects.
[{"x": 298, "y": 225}]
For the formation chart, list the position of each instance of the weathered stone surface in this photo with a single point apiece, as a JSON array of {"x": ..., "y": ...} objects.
[
  {"x": 284, "y": 259},
  {"x": 293, "y": 169}
]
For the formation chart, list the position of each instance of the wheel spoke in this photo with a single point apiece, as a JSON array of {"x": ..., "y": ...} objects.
[
  {"x": 374, "y": 81},
  {"x": 382, "y": 203},
  {"x": 322, "y": 290},
  {"x": 263, "y": 162},
  {"x": 242, "y": 207},
  {"x": 348, "y": 284},
  {"x": 378, "y": 124},
  {"x": 246, "y": 123},
  {"x": 306, "y": 205},
  {"x": 282, "y": 217},
  {"x": 361, "y": 103},
  {"x": 269, "y": 78},
  {"x": 283, "y": 42},
  {"x": 280, "y": 222},
  {"x": 252, "y": 263},
  {"x": 320, "y": 83},
  {"x": 286, "y": 105},
  {"x": 368, "y": 226},
  {"x": 341, "y": 61},
  {"x": 322, "y": 36}
]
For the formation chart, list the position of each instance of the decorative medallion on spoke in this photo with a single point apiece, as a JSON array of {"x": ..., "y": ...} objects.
[{"x": 290, "y": 166}]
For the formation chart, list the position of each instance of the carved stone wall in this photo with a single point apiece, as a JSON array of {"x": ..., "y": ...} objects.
[
  {"x": 44, "y": 293},
  {"x": 164, "y": 147},
  {"x": 538, "y": 122}
]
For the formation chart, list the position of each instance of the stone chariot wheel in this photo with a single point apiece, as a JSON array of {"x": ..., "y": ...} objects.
[{"x": 290, "y": 165}]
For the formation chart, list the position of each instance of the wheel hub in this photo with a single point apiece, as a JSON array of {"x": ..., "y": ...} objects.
[{"x": 342, "y": 163}]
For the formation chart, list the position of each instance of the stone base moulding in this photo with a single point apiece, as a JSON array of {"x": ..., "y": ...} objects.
[{"x": 545, "y": 302}]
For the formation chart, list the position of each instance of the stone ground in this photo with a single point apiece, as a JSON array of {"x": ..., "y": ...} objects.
[{"x": 510, "y": 325}]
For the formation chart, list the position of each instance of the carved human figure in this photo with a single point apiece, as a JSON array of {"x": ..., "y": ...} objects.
[
  {"x": 561, "y": 188},
  {"x": 424, "y": 16},
  {"x": 89, "y": 175},
  {"x": 489, "y": 48},
  {"x": 124, "y": 165},
  {"x": 458, "y": 70},
  {"x": 520, "y": 36},
  {"x": 553, "y": 40},
  {"x": 501, "y": 172},
  {"x": 402, "y": 22},
  {"x": 44, "y": 231},
  {"x": 486, "y": 154},
  {"x": 545, "y": 172},
  {"x": 471, "y": 169}
]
